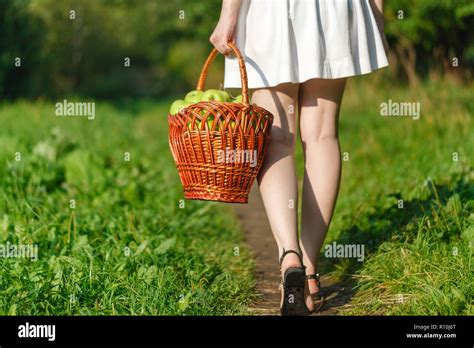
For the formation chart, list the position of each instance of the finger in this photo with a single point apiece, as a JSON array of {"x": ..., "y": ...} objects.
[
  {"x": 230, "y": 52},
  {"x": 220, "y": 49},
  {"x": 227, "y": 49},
  {"x": 217, "y": 46},
  {"x": 216, "y": 42},
  {"x": 223, "y": 49}
]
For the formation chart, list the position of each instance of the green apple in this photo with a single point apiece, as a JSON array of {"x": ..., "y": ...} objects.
[
  {"x": 176, "y": 106},
  {"x": 210, "y": 120},
  {"x": 227, "y": 96},
  {"x": 261, "y": 125},
  {"x": 215, "y": 95},
  {"x": 232, "y": 124},
  {"x": 194, "y": 96},
  {"x": 185, "y": 105},
  {"x": 190, "y": 123},
  {"x": 238, "y": 99}
]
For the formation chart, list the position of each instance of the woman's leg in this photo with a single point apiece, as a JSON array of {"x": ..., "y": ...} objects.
[
  {"x": 319, "y": 103},
  {"x": 277, "y": 178}
]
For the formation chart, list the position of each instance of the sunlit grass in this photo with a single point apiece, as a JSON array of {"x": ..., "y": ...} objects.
[
  {"x": 126, "y": 247},
  {"x": 111, "y": 234},
  {"x": 418, "y": 258}
]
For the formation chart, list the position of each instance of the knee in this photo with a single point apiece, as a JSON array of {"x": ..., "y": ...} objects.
[
  {"x": 312, "y": 136},
  {"x": 319, "y": 133}
]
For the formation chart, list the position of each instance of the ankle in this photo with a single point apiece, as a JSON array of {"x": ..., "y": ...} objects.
[
  {"x": 311, "y": 268},
  {"x": 287, "y": 248},
  {"x": 290, "y": 259}
]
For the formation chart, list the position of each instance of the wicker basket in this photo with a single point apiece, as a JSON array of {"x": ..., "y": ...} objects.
[{"x": 219, "y": 147}]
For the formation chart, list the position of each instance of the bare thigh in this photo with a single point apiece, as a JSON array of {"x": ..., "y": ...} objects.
[
  {"x": 281, "y": 101},
  {"x": 319, "y": 103}
]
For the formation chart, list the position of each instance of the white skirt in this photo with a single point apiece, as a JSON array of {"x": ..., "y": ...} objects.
[{"x": 297, "y": 40}]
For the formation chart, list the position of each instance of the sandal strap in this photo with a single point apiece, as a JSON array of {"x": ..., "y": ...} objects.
[
  {"x": 316, "y": 277},
  {"x": 289, "y": 251},
  {"x": 286, "y": 252},
  {"x": 313, "y": 276}
]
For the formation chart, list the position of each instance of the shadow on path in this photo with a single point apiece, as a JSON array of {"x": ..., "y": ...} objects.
[{"x": 384, "y": 222}]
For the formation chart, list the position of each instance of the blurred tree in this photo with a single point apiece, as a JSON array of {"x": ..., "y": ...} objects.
[
  {"x": 85, "y": 52},
  {"x": 21, "y": 37},
  {"x": 88, "y": 54},
  {"x": 428, "y": 34}
]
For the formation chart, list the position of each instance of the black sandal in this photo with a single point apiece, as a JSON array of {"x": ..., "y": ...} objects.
[
  {"x": 318, "y": 298},
  {"x": 293, "y": 288}
]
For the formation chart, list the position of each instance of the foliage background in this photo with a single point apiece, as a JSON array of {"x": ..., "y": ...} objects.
[{"x": 85, "y": 56}]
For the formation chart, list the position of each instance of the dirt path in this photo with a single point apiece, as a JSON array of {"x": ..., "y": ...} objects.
[{"x": 259, "y": 237}]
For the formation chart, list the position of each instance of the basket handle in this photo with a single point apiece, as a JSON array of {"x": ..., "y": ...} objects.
[{"x": 243, "y": 72}]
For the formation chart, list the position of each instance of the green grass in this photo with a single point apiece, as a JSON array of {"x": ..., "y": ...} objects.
[
  {"x": 128, "y": 248},
  {"x": 123, "y": 246},
  {"x": 418, "y": 259}
]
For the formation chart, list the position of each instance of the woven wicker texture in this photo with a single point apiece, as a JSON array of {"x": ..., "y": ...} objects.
[{"x": 219, "y": 147}]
